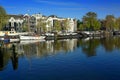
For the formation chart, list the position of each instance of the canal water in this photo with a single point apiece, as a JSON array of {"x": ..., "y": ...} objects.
[{"x": 69, "y": 59}]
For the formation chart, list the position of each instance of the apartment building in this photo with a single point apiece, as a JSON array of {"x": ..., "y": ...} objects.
[{"x": 51, "y": 23}]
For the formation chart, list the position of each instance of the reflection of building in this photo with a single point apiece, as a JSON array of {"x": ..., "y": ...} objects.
[
  {"x": 47, "y": 48},
  {"x": 50, "y": 46},
  {"x": 72, "y": 44}
]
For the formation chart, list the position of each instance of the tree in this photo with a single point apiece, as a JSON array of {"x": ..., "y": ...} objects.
[
  {"x": 3, "y": 17},
  {"x": 2, "y": 11},
  {"x": 65, "y": 24},
  {"x": 41, "y": 25},
  {"x": 48, "y": 23},
  {"x": 57, "y": 25},
  {"x": 110, "y": 22},
  {"x": 103, "y": 23},
  {"x": 117, "y": 24},
  {"x": 97, "y": 25},
  {"x": 25, "y": 27},
  {"x": 91, "y": 22},
  {"x": 80, "y": 25}
]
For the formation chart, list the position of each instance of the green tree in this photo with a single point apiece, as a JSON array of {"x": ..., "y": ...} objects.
[
  {"x": 97, "y": 25},
  {"x": 41, "y": 25},
  {"x": 110, "y": 22},
  {"x": 65, "y": 25},
  {"x": 80, "y": 25},
  {"x": 3, "y": 17},
  {"x": 26, "y": 24},
  {"x": 117, "y": 24},
  {"x": 57, "y": 25},
  {"x": 25, "y": 27},
  {"x": 91, "y": 22}
]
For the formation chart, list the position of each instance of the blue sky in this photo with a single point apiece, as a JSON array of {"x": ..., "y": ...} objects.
[{"x": 63, "y": 8}]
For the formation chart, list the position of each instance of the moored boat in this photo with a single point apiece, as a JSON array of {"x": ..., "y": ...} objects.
[
  {"x": 23, "y": 42},
  {"x": 32, "y": 37},
  {"x": 8, "y": 39},
  {"x": 8, "y": 33},
  {"x": 14, "y": 40}
]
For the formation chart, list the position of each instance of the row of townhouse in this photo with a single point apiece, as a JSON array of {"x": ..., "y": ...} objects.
[{"x": 16, "y": 22}]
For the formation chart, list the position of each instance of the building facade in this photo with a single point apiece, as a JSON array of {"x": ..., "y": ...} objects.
[
  {"x": 69, "y": 23},
  {"x": 46, "y": 24},
  {"x": 15, "y": 24}
]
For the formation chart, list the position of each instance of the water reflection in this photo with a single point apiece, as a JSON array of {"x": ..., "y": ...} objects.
[
  {"x": 89, "y": 46},
  {"x": 12, "y": 52},
  {"x": 14, "y": 57},
  {"x": 52, "y": 47},
  {"x": 4, "y": 57}
]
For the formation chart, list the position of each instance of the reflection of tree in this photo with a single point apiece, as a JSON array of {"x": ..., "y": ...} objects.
[
  {"x": 108, "y": 44},
  {"x": 117, "y": 43},
  {"x": 111, "y": 43},
  {"x": 4, "y": 58},
  {"x": 29, "y": 49},
  {"x": 14, "y": 57},
  {"x": 44, "y": 49},
  {"x": 6, "y": 54},
  {"x": 89, "y": 47},
  {"x": 1, "y": 60},
  {"x": 57, "y": 46}
]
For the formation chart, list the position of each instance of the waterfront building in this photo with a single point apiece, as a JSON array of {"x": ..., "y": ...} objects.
[
  {"x": 71, "y": 23},
  {"x": 51, "y": 20},
  {"x": 44, "y": 23},
  {"x": 15, "y": 22}
]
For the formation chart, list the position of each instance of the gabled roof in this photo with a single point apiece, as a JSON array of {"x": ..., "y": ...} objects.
[
  {"x": 53, "y": 16},
  {"x": 16, "y": 16}
]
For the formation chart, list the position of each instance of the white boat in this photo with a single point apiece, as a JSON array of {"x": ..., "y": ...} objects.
[
  {"x": 14, "y": 40},
  {"x": 13, "y": 33},
  {"x": 24, "y": 42},
  {"x": 9, "y": 40},
  {"x": 8, "y": 33},
  {"x": 32, "y": 37}
]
